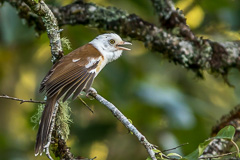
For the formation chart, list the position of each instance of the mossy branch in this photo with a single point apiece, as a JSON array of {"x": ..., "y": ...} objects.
[
  {"x": 50, "y": 22},
  {"x": 173, "y": 38},
  {"x": 231, "y": 118}
]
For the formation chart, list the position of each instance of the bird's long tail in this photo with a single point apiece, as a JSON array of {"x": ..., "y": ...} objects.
[{"x": 44, "y": 127}]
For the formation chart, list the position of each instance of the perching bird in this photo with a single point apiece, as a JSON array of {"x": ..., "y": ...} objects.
[{"x": 74, "y": 73}]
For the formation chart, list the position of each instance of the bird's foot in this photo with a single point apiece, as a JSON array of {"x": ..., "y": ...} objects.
[{"x": 91, "y": 93}]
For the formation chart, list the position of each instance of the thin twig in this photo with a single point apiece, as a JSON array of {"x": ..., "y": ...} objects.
[
  {"x": 150, "y": 147},
  {"x": 236, "y": 146},
  {"x": 21, "y": 100},
  {"x": 85, "y": 104},
  {"x": 175, "y": 147},
  {"x": 218, "y": 156}
]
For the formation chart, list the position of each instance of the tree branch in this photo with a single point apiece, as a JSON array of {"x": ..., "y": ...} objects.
[
  {"x": 174, "y": 38},
  {"x": 141, "y": 138},
  {"x": 21, "y": 100},
  {"x": 171, "y": 18},
  {"x": 218, "y": 156},
  {"x": 51, "y": 24},
  {"x": 221, "y": 146},
  {"x": 197, "y": 54},
  {"x": 25, "y": 12}
]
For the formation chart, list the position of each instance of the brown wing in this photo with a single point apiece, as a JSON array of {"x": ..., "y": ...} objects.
[{"x": 70, "y": 74}]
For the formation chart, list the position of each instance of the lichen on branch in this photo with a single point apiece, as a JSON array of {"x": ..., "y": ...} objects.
[
  {"x": 51, "y": 24},
  {"x": 173, "y": 38}
]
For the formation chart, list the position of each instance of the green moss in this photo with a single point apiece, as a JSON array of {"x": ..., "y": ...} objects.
[
  {"x": 36, "y": 117},
  {"x": 176, "y": 31},
  {"x": 63, "y": 120},
  {"x": 66, "y": 44}
]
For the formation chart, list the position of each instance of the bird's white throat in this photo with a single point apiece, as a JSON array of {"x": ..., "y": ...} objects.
[{"x": 108, "y": 54}]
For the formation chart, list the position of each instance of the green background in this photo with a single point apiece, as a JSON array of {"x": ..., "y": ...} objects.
[{"x": 166, "y": 102}]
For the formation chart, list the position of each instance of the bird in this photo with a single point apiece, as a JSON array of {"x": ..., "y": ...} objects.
[{"x": 73, "y": 74}]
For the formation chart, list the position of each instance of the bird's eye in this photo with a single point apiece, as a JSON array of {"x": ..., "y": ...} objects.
[{"x": 111, "y": 41}]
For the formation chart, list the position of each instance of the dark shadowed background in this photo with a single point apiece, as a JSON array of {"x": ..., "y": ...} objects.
[{"x": 167, "y": 103}]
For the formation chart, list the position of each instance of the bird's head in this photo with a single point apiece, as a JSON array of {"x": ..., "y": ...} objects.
[{"x": 110, "y": 45}]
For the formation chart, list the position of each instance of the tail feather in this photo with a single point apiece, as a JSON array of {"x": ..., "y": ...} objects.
[{"x": 44, "y": 127}]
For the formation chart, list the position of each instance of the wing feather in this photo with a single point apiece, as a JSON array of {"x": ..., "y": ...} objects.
[
  {"x": 70, "y": 85},
  {"x": 47, "y": 77},
  {"x": 62, "y": 80},
  {"x": 57, "y": 88},
  {"x": 68, "y": 76},
  {"x": 71, "y": 90}
]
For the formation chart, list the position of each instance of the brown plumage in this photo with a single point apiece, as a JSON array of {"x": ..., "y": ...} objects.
[
  {"x": 69, "y": 75},
  {"x": 73, "y": 73}
]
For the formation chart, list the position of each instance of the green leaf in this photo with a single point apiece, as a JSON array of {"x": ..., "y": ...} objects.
[
  {"x": 192, "y": 156},
  {"x": 130, "y": 121},
  {"x": 148, "y": 158},
  {"x": 156, "y": 151},
  {"x": 202, "y": 146},
  {"x": 174, "y": 154},
  {"x": 226, "y": 133}
]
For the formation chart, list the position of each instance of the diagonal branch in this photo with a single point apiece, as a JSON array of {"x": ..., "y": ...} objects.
[{"x": 123, "y": 119}]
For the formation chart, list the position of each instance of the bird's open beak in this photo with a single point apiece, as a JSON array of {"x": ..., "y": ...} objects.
[{"x": 121, "y": 44}]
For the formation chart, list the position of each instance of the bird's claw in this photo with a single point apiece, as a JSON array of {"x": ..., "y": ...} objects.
[{"x": 91, "y": 93}]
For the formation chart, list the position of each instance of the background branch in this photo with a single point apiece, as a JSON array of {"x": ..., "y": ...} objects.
[
  {"x": 171, "y": 18},
  {"x": 174, "y": 39},
  {"x": 51, "y": 24},
  {"x": 221, "y": 146}
]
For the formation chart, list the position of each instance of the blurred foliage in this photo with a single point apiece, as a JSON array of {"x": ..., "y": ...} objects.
[{"x": 165, "y": 102}]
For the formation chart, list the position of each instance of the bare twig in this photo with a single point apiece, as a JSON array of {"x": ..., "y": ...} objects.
[
  {"x": 149, "y": 147},
  {"x": 85, "y": 104},
  {"x": 52, "y": 123},
  {"x": 175, "y": 147},
  {"x": 21, "y": 100}
]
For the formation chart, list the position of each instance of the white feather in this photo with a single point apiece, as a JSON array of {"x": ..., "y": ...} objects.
[
  {"x": 76, "y": 60},
  {"x": 91, "y": 62}
]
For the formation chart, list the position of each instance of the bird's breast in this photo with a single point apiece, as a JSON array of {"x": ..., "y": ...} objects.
[{"x": 101, "y": 65}]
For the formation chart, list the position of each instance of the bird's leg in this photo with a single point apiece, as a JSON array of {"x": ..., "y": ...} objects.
[{"x": 90, "y": 92}]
